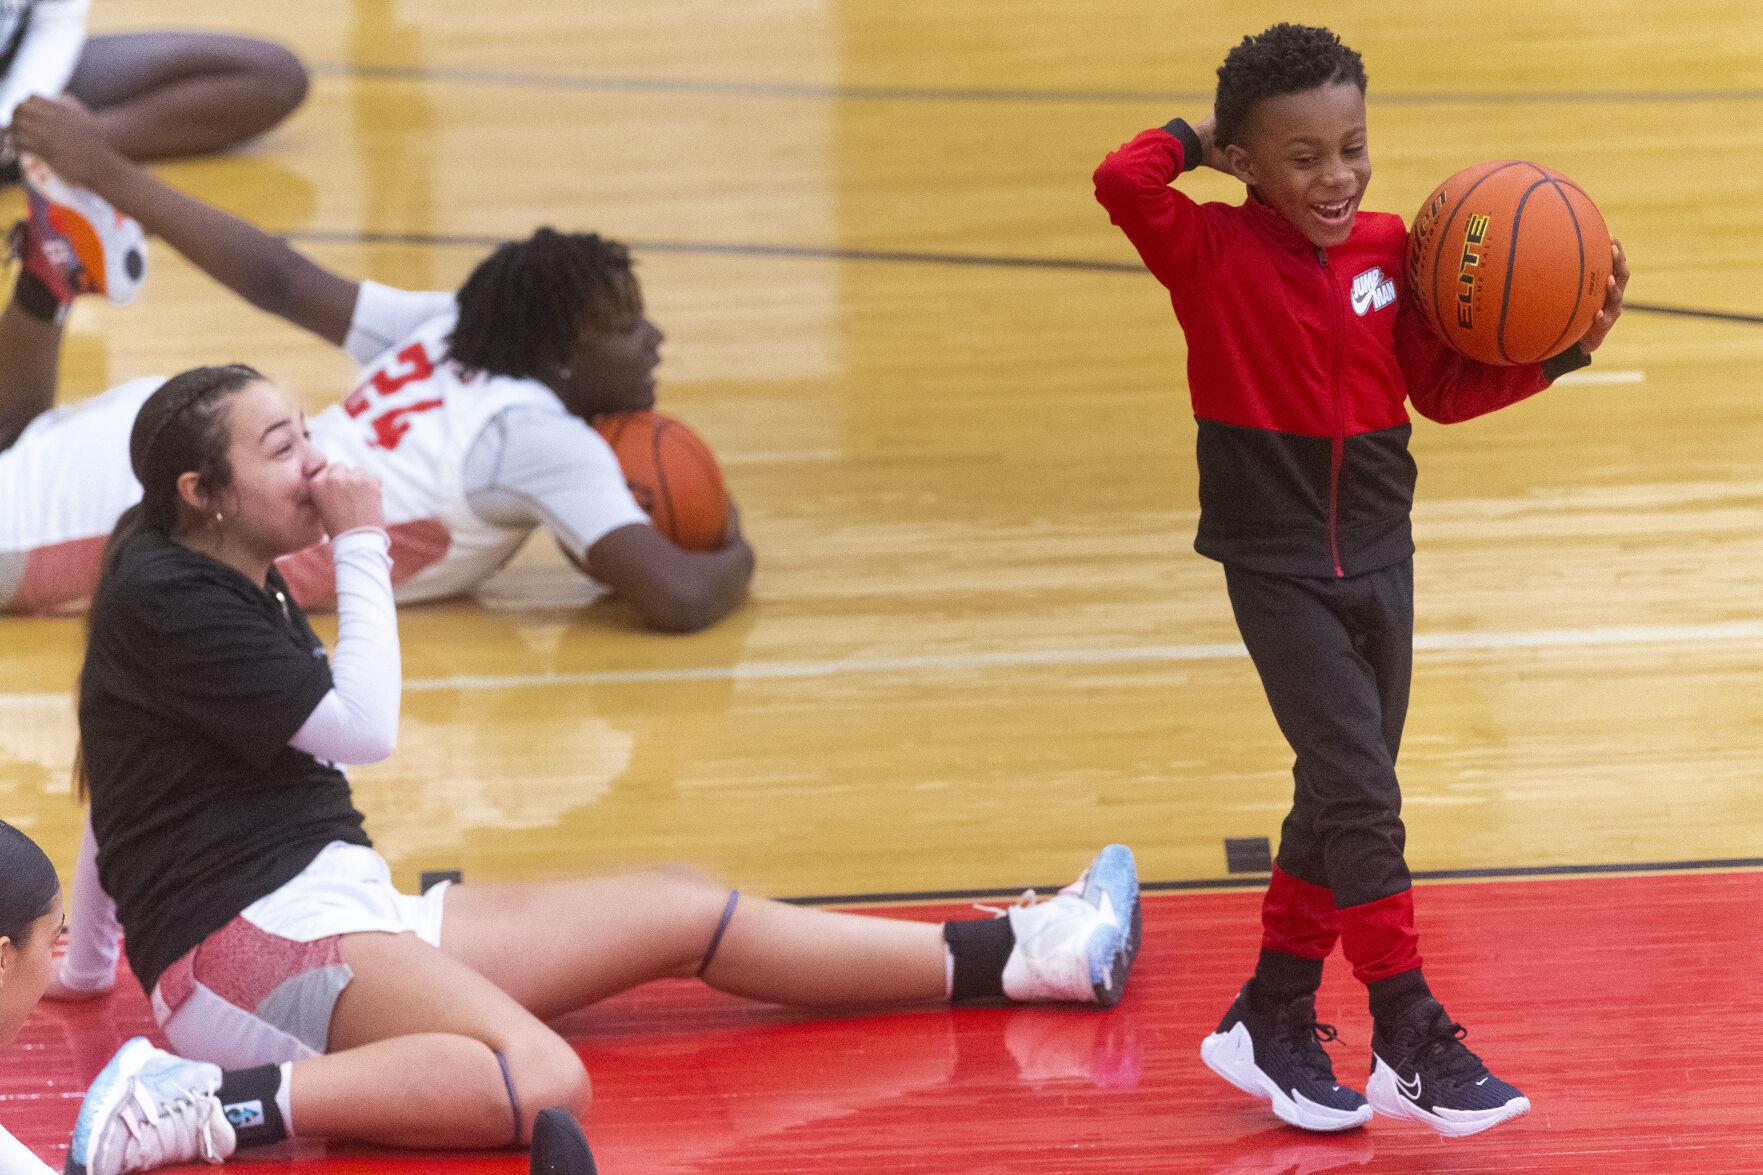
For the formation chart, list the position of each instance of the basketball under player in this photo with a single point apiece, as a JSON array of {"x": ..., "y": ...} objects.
[{"x": 472, "y": 408}]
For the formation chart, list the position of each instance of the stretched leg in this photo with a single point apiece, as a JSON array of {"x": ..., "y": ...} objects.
[
  {"x": 554, "y": 946},
  {"x": 164, "y": 94}
]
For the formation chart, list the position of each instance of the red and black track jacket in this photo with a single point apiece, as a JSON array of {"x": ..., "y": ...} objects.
[{"x": 1299, "y": 360}]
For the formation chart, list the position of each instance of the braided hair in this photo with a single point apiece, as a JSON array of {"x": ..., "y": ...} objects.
[
  {"x": 522, "y": 310},
  {"x": 1285, "y": 59},
  {"x": 181, "y": 428}
]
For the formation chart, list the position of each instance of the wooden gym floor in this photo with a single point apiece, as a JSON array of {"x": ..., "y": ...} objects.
[{"x": 980, "y": 646}]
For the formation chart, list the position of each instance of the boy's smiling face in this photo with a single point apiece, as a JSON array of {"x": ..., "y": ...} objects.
[{"x": 1306, "y": 155}]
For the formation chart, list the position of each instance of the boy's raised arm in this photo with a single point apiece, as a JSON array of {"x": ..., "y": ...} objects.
[{"x": 1132, "y": 183}]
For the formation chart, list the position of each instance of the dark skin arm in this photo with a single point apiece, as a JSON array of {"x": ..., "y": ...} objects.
[
  {"x": 260, "y": 268},
  {"x": 673, "y": 589}
]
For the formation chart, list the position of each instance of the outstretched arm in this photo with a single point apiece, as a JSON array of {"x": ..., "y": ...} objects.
[{"x": 260, "y": 268}]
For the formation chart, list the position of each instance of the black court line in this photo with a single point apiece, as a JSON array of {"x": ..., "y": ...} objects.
[
  {"x": 591, "y": 83},
  {"x": 1501, "y": 873},
  {"x": 896, "y": 256}
]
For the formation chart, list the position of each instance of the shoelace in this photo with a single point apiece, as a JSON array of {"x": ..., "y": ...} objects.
[
  {"x": 1028, "y": 898},
  {"x": 1443, "y": 1045},
  {"x": 172, "y": 1131},
  {"x": 1298, "y": 1026}
]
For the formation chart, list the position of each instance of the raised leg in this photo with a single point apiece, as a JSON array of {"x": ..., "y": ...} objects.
[
  {"x": 164, "y": 94},
  {"x": 412, "y": 1055}
]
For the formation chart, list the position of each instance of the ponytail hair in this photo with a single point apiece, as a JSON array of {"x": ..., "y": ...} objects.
[
  {"x": 27, "y": 885},
  {"x": 181, "y": 428}
]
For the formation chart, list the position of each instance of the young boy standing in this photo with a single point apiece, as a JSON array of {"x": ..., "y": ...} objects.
[{"x": 1302, "y": 346}]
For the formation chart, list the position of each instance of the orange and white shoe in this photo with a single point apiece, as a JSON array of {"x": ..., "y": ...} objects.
[{"x": 75, "y": 242}]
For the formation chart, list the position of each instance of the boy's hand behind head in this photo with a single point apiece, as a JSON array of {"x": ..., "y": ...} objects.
[{"x": 1206, "y": 130}]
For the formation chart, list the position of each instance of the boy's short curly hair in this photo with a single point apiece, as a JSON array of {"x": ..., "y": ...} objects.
[{"x": 1286, "y": 59}]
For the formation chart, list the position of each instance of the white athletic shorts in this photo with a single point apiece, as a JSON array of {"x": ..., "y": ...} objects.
[{"x": 260, "y": 990}]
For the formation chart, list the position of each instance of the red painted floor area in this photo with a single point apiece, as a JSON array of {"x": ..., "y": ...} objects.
[{"x": 1627, "y": 1008}]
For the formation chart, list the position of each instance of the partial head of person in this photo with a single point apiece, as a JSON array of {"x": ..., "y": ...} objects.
[
  {"x": 564, "y": 309},
  {"x": 1290, "y": 120},
  {"x": 30, "y": 920},
  {"x": 225, "y": 465}
]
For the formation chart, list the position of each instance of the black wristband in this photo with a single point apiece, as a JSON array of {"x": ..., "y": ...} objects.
[
  {"x": 1192, "y": 153},
  {"x": 1571, "y": 359},
  {"x": 36, "y": 299}
]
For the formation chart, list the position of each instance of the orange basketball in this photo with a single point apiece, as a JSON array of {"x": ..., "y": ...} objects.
[
  {"x": 672, "y": 474},
  {"x": 1509, "y": 261}
]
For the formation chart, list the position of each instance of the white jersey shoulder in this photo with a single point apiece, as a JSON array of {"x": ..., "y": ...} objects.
[
  {"x": 410, "y": 421},
  {"x": 67, "y": 477}
]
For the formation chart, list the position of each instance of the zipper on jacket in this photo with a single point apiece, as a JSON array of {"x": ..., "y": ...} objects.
[{"x": 1338, "y": 442}]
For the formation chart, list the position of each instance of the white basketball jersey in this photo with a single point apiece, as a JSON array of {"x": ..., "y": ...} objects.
[
  {"x": 67, "y": 476},
  {"x": 63, "y": 484},
  {"x": 410, "y": 421}
]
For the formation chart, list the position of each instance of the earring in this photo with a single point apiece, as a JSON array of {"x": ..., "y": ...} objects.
[
  {"x": 219, "y": 518},
  {"x": 564, "y": 373}
]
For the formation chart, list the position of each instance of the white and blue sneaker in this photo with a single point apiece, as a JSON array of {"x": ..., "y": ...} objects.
[
  {"x": 1078, "y": 945},
  {"x": 1422, "y": 1071},
  {"x": 1275, "y": 1053},
  {"x": 149, "y": 1109}
]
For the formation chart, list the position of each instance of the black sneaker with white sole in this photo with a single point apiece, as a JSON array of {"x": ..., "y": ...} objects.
[
  {"x": 1275, "y": 1053},
  {"x": 1422, "y": 1071}
]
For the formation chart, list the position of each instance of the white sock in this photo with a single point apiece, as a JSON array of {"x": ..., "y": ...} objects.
[{"x": 284, "y": 1100}]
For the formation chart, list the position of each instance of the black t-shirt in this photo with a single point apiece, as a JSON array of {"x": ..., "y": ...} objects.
[{"x": 194, "y": 681}]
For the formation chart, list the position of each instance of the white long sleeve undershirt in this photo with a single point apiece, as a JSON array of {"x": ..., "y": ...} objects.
[
  {"x": 356, "y": 722},
  {"x": 16, "y": 1159},
  {"x": 47, "y": 53},
  {"x": 92, "y": 928}
]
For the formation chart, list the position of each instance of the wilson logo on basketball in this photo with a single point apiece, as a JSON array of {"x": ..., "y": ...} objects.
[
  {"x": 1372, "y": 291},
  {"x": 1468, "y": 269},
  {"x": 1421, "y": 240}
]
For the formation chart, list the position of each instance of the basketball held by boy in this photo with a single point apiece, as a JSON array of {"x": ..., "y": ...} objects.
[{"x": 1304, "y": 346}]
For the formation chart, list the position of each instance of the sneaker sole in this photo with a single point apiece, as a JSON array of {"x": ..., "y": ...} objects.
[
  {"x": 108, "y": 1090},
  {"x": 1231, "y": 1055},
  {"x": 1115, "y": 873},
  {"x": 111, "y": 247},
  {"x": 1387, "y": 1099}
]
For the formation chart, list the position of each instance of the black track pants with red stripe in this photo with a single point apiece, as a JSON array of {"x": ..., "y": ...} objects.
[{"x": 1336, "y": 659}]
